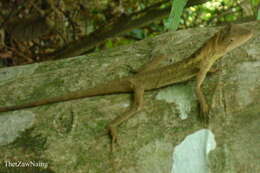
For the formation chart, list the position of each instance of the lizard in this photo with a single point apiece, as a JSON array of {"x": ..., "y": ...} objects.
[{"x": 150, "y": 77}]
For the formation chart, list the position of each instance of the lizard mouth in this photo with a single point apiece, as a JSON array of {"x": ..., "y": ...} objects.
[{"x": 234, "y": 35}]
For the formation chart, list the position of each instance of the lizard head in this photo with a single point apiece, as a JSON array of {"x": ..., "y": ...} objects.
[{"x": 233, "y": 36}]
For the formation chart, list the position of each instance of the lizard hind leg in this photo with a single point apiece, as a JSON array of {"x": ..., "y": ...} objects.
[
  {"x": 204, "y": 109},
  {"x": 135, "y": 107}
]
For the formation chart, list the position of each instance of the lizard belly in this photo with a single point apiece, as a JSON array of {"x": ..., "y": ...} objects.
[
  {"x": 164, "y": 78},
  {"x": 163, "y": 82}
]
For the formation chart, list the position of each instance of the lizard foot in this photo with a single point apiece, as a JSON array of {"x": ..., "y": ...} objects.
[{"x": 113, "y": 135}]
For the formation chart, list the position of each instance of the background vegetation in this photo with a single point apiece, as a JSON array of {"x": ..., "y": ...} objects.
[{"x": 33, "y": 31}]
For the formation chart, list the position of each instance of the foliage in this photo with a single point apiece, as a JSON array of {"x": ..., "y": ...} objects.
[
  {"x": 71, "y": 20},
  {"x": 256, "y": 6},
  {"x": 174, "y": 19}
]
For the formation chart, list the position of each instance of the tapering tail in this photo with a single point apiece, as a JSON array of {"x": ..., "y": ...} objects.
[{"x": 117, "y": 86}]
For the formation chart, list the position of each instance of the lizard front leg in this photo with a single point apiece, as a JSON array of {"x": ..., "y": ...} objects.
[{"x": 137, "y": 106}]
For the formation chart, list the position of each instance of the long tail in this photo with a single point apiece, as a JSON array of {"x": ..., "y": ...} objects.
[{"x": 103, "y": 89}]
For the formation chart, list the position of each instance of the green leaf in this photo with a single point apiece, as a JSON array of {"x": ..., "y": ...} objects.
[{"x": 173, "y": 21}]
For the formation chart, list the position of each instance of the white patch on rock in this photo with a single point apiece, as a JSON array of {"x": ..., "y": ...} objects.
[
  {"x": 12, "y": 124},
  {"x": 190, "y": 156},
  {"x": 181, "y": 95}
]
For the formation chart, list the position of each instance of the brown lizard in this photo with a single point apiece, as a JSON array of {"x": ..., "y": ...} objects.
[{"x": 150, "y": 77}]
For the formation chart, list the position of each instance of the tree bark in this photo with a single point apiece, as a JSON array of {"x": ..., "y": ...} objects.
[{"x": 71, "y": 136}]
